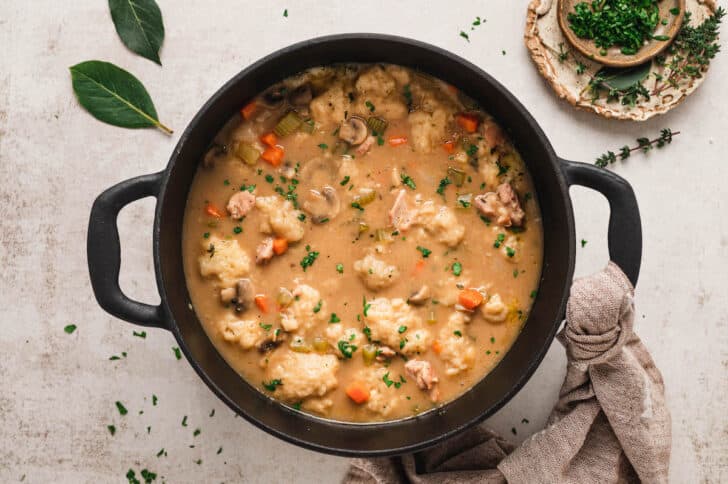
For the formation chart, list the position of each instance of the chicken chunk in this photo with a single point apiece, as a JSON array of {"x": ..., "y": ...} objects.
[
  {"x": 224, "y": 259},
  {"x": 302, "y": 375},
  {"x": 306, "y": 310},
  {"x": 423, "y": 374},
  {"x": 240, "y": 204},
  {"x": 441, "y": 222},
  {"x": 264, "y": 251},
  {"x": 280, "y": 217},
  {"x": 502, "y": 206},
  {"x": 457, "y": 351},
  {"x": 400, "y": 215},
  {"x": 375, "y": 273},
  {"x": 394, "y": 323}
]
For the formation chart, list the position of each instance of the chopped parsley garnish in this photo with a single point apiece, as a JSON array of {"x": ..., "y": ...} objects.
[
  {"x": 402, "y": 329},
  {"x": 457, "y": 268},
  {"x": 271, "y": 385},
  {"x": 443, "y": 184},
  {"x": 266, "y": 327},
  {"x": 386, "y": 380},
  {"x": 515, "y": 273},
  {"x": 285, "y": 14},
  {"x": 370, "y": 106},
  {"x": 485, "y": 219},
  {"x": 154, "y": 400},
  {"x": 323, "y": 146},
  {"x": 301, "y": 217},
  {"x": 345, "y": 180},
  {"x": 206, "y": 235},
  {"x": 366, "y": 305},
  {"x": 161, "y": 452},
  {"x": 184, "y": 421},
  {"x": 249, "y": 188},
  {"x": 407, "y": 92},
  {"x": 464, "y": 36},
  {"x": 463, "y": 202},
  {"x": 347, "y": 349},
  {"x": 140, "y": 334},
  {"x": 334, "y": 319},
  {"x": 458, "y": 333},
  {"x": 112, "y": 429},
  {"x": 70, "y": 328},
  {"x": 407, "y": 180},
  {"x": 323, "y": 220},
  {"x": 269, "y": 178},
  {"x": 211, "y": 250},
  {"x": 340, "y": 268},
  {"x": 510, "y": 252},
  {"x": 226, "y": 182},
  {"x": 472, "y": 150},
  {"x": 317, "y": 307},
  {"x": 402, "y": 342},
  {"x": 122, "y": 409},
  {"x": 425, "y": 251},
  {"x": 399, "y": 383},
  {"x": 177, "y": 352},
  {"x": 309, "y": 259},
  {"x": 357, "y": 206},
  {"x": 380, "y": 140},
  {"x": 533, "y": 294},
  {"x": 492, "y": 339},
  {"x": 237, "y": 229},
  {"x": 583, "y": 243},
  {"x": 196, "y": 432},
  {"x": 368, "y": 333},
  {"x": 499, "y": 240},
  {"x": 219, "y": 451}
]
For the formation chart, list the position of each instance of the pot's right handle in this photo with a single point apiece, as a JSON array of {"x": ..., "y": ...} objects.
[
  {"x": 625, "y": 228},
  {"x": 104, "y": 251}
]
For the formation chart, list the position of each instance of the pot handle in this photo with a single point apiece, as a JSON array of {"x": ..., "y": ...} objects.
[
  {"x": 104, "y": 251},
  {"x": 625, "y": 229}
]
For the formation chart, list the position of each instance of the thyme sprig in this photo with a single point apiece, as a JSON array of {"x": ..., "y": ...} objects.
[
  {"x": 690, "y": 54},
  {"x": 643, "y": 144}
]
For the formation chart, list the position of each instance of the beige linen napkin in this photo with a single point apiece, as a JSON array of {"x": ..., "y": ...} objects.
[{"x": 610, "y": 424}]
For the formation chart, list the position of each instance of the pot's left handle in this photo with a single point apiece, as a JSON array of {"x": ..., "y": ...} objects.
[
  {"x": 624, "y": 235},
  {"x": 104, "y": 251}
]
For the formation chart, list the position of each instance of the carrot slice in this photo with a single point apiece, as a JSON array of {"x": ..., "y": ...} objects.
[
  {"x": 262, "y": 302},
  {"x": 273, "y": 155},
  {"x": 449, "y": 146},
  {"x": 212, "y": 211},
  {"x": 358, "y": 393},
  {"x": 269, "y": 139},
  {"x": 436, "y": 347},
  {"x": 248, "y": 110},
  {"x": 470, "y": 298},
  {"x": 397, "y": 140},
  {"x": 280, "y": 246},
  {"x": 469, "y": 122}
]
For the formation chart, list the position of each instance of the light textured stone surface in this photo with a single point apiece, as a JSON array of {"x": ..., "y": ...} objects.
[{"x": 57, "y": 391}]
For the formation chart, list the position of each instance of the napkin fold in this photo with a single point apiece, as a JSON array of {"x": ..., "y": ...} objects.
[{"x": 610, "y": 424}]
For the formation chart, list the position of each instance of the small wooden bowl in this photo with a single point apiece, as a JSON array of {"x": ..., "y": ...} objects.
[{"x": 614, "y": 57}]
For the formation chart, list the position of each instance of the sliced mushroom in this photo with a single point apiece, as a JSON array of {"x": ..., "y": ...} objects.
[
  {"x": 213, "y": 153},
  {"x": 245, "y": 295},
  {"x": 228, "y": 294},
  {"x": 273, "y": 98},
  {"x": 272, "y": 341},
  {"x": 301, "y": 96},
  {"x": 354, "y": 130},
  {"x": 419, "y": 297},
  {"x": 322, "y": 205}
]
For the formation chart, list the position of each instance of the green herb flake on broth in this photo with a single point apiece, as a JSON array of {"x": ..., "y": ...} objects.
[
  {"x": 379, "y": 224},
  {"x": 370, "y": 106}
]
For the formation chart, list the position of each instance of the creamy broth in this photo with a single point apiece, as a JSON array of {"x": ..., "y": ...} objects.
[{"x": 396, "y": 264}]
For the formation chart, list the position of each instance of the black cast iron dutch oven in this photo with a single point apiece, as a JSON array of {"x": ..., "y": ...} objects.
[{"x": 552, "y": 177}]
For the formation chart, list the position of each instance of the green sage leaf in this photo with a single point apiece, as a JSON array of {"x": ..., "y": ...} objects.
[
  {"x": 114, "y": 96},
  {"x": 623, "y": 78},
  {"x": 139, "y": 24}
]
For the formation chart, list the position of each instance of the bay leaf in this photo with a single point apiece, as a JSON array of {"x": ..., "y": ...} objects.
[
  {"x": 623, "y": 78},
  {"x": 139, "y": 24},
  {"x": 114, "y": 96}
]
